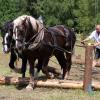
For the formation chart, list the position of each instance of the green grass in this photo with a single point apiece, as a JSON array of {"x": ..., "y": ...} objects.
[{"x": 11, "y": 93}]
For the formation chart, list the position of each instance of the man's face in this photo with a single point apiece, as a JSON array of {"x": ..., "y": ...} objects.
[{"x": 98, "y": 29}]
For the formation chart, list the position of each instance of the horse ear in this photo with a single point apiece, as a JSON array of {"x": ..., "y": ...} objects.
[
  {"x": 40, "y": 19},
  {"x": 24, "y": 21}
]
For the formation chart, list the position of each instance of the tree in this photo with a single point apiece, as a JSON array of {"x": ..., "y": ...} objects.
[{"x": 79, "y": 14}]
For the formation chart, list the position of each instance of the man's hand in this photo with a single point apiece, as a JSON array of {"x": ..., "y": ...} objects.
[
  {"x": 83, "y": 42},
  {"x": 97, "y": 44}
]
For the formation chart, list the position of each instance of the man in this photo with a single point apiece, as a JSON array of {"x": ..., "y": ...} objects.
[{"x": 95, "y": 35}]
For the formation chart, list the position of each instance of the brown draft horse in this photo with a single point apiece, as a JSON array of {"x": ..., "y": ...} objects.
[{"x": 42, "y": 43}]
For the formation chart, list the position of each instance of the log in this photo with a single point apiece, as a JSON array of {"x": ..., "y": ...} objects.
[
  {"x": 96, "y": 85},
  {"x": 42, "y": 83},
  {"x": 88, "y": 69},
  {"x": 47, "y": 83}
]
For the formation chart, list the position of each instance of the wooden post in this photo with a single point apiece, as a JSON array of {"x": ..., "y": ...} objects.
[{"x": 87, "y": 83}]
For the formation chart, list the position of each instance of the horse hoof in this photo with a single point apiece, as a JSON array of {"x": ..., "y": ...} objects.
[
  {"x": 66, "y": 77},
  {"x": 51, "y": 75},
  {"x": 29, "y": 87}
]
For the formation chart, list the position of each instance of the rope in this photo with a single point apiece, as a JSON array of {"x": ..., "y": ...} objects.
[
  {"x": 57, "y": 48},
  {"x": 29, "y": 42}
]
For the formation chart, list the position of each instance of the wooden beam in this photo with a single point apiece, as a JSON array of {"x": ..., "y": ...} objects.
[
  {"x": 42, "y": 83},
  {"x": 87, "y": 82},
  {"x": 47, "y": 83}
]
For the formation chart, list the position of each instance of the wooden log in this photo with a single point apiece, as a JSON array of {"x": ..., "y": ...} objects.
[
  {"x": 42, "y": 83},
  {"x": 47, "y": 83},
  {"x": 87, "y": 82},
  {"x": 96, "y": 85}
]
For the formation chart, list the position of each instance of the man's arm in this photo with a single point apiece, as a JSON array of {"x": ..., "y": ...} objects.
[
  {"x": 89, "y": 37},
  {"x": 97, "y": 44}
]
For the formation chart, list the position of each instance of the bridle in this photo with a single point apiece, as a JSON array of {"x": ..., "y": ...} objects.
[
  {"x": 16, "y": 39},
  {"x": 34, "y": 36},
  {"x": 8, "y": 44},
  {"x": 30, "y": 41}
]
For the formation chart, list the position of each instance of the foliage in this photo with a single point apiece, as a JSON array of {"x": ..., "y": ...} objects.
[{"x": 79, "y": 14}]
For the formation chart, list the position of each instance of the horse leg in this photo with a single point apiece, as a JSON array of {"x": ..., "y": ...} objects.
[
  {"x": 38, "y": 67},
  {"x": 13, "y": 58},
  {"x": 31, "y": 71},
  {"x": 63, "y": 63},
  {"x": 45, "y": 69},
  {"x": 69, "y": 63},
  {"x": 23, "y": 68}
]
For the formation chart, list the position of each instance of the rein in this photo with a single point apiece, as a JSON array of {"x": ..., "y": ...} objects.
[
  {"x": 55, "y": 47},
  {"x": 34, "y": 36}
]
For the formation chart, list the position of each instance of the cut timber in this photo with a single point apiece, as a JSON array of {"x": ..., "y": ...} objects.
[
  {"x": 47, "y": 83},
  {"x": 42, "y": 83},
  {"x": 88, "y": 69}
]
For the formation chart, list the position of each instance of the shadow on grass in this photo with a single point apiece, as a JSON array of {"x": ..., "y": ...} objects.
[{"x": 20, "y": 86}]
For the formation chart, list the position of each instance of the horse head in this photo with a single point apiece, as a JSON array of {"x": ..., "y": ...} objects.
[
  {"x": 7, "y": 32},
  {"x": 19, "y": 32},
  {"x": 25, "y": 27}
]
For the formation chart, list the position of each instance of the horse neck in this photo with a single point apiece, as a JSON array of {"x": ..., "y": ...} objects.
[{"x": 47, "y": 36}]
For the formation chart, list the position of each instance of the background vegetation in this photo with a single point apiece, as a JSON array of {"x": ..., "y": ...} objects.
[{"x": 79, "y": 14}]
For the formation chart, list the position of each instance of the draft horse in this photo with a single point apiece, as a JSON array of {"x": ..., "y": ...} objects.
[
  {"x": 36, "y": 42},
  {"x": 9, "y": 46}
]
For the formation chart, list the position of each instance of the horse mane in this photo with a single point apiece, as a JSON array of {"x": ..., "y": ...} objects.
[
  {"x": 6, "y": 27},
  {"x": 18, "y": 21},
  {"x": 33, "y": 26}
]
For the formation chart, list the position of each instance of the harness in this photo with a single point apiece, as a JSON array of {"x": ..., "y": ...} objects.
[
  {"x": 34, "y": 41},
  {"x": 33, "y": 45},
  {"x": 54, "y": 45}
]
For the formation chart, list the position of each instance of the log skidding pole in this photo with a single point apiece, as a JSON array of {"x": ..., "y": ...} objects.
[{"x": 87, "y": 82}]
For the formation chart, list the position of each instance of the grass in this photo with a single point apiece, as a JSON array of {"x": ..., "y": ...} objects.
[
  {"x": 45, "y": 94},
  {"x": 10, "y": 92}
]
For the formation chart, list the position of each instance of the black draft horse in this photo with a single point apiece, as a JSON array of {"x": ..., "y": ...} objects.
[
  {"x": 9, "y": 46},
  {"x": 42, "y": 44}
]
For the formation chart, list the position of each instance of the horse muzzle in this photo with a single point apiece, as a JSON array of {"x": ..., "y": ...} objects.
[{"x": 6, "y": 50}]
